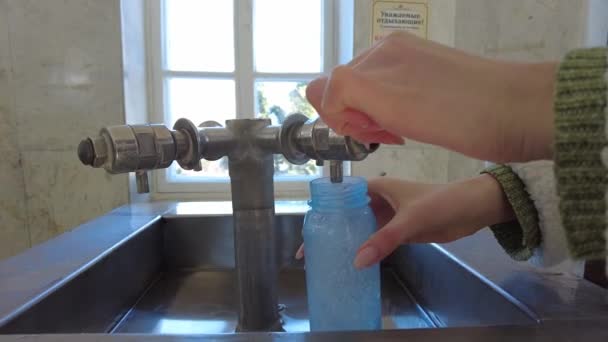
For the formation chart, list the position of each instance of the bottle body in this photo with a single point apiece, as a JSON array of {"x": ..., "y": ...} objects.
[{"x": 340, "y": 220}]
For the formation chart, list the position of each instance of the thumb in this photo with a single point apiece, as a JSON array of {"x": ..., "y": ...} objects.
[
  {"x": 360, "y": 126},
  {"x": 383, "y": 192},
  {"x": 398, "y": 217},
  {"x": 314, "y": 92},
  {"x": 383, "y": 242}
]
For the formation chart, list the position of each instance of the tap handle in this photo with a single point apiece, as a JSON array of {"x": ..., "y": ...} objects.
[{"x": 303, "y": 139}]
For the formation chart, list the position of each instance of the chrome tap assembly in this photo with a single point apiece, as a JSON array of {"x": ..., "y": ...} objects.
[
  {"x": 249, "y": 145},
  {"x": 139, "y": 148}
]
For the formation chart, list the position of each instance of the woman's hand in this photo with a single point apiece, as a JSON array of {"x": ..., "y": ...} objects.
[
  {"x": 409, "y": 212},
  {"x": 409, "y": 87}
]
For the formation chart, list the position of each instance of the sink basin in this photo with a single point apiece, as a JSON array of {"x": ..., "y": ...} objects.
[
  {"x": 203, "y": 302},
  {"x": 173, "y": 274}
]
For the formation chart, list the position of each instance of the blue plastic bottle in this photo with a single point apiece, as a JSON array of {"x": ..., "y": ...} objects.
[{"x": 340, "y": 297}]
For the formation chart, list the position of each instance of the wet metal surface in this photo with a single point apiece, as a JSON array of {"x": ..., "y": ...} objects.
[{"x": 203, "y": 302}]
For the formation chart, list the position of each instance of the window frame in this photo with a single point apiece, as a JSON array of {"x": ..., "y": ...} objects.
[{"x": 244, "y": 76}]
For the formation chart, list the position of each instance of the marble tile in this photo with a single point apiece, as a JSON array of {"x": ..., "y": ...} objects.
[
  {"x": 519, "y": 30},
  {"x": 8, "y": 131},
  {"x": 441, "y": 21},
  {"x": 14, "y": 236},
  {"x": 61, "y": 193},
  {"x": 13, "y": 232},
  {"x": 134, "y": 60},
  {"x": 67, "y": 70},
  {"x": 422, "y": 164},
  {"x": 461, "y": 167},
  {"x": 362, "y": 27}
]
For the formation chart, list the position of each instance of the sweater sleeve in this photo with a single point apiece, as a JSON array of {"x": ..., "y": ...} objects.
[
  {"x": 573, "y": 213},
  {"x": 539, "y": 181},
  {"x": 581, "y": 152},
  {"x": 537, "y": 232},
  {"x": 521, "y": 236}
]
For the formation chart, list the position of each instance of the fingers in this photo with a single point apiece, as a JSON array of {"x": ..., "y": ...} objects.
[
  {"x": 381, "y": 137},
  {"x": 383, "y": 242},
  {"x": 400, "y": 214},
  {"x": 364, "y": 129},
  {"x": 344, "y": 123},
  {"x": 432, "y": 213},
  {"x": 359, "y": 119},
  {"x": 314, "y": 92},
  {"x": 300, "y": 252},
  {"x": 383, "y": 194},
  {"x": 352, "y": 123},
  {"x": 384, "y": 189},
  {"x": 382, "y": 209},
  {"x": 347, "y": 91},
  {"x": 347, "y": 121}
]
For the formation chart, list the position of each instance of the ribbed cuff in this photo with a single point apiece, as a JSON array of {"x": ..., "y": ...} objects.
[
  {"x": 519, "y": 238},
  {"x": 580, "y": 120}
]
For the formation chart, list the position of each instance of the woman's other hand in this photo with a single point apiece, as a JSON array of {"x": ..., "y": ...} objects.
[{"x": 409, "y": 212}]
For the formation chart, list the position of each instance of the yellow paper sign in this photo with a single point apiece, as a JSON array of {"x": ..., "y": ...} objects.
[{"x": 388, "y": 16}]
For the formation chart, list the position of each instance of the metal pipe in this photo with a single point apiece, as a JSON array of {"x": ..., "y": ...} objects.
[
  {"x": 251, "y": 171},
  {"x": 268, "y": 139}
]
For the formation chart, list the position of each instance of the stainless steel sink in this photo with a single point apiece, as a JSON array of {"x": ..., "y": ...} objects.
[{"x": 153, "y": 270}]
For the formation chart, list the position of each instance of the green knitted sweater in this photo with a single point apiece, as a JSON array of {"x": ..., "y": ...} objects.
[{"x": 581, "y": 177}]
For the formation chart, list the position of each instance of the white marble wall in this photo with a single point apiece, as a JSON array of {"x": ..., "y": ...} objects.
[
  {"x": 524, "y": 30},
  {"x": 528, "y": 30},
  {"x": 14, "y": 235},
  {"x": 60, "y": 80},
  {"x": 413, "y": 161}
]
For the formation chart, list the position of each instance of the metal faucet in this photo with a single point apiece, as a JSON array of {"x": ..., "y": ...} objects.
[{"x": 249, "y": 145}]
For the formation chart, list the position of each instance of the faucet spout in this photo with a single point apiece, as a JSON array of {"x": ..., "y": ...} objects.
[
  {"x": 336, "y": 171},
  {"x": 251, "y": 170}
]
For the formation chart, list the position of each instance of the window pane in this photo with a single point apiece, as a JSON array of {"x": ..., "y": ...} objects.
[
  {"x": 199, "y": 35},
  {"x": 276, "y": 100},
  {"x": 201, "y": 100},
  {"x": 287, "y": 35}
]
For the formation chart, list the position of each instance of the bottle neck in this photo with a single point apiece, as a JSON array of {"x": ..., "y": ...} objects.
[{"x": 328, "y": 196}]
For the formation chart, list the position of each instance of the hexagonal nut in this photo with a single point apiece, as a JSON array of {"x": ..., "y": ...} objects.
[
  {"x": 320, "y": 135},
  {"x": 100, "y": 151}
]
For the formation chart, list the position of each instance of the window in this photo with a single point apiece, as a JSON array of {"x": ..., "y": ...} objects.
[{"x": 220, "y": 59}]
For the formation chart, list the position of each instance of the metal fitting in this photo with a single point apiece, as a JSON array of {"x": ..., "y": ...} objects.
[
  {"x": 191, "y": 160},
  {"x": 120, "y": 149},
  {"x": 317, "y": 141},
  {"x": 288, "y": 145}
]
